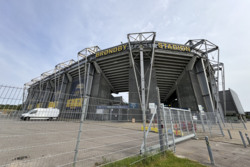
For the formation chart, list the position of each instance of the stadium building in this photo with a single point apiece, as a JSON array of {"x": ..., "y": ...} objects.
[{"x": 178, "y": 75}]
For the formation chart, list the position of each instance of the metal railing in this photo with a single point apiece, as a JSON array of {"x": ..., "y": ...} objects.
[{"x": 177, "y": 125}]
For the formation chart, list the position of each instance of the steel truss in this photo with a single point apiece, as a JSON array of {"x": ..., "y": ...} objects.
[
  {"x": 84, "y": 54},
  {"x": 211, "y": 56},
  {"x": 140, "y": 39}
]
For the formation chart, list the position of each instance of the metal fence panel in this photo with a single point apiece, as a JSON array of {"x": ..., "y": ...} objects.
[{"x": 112, "y": 129}]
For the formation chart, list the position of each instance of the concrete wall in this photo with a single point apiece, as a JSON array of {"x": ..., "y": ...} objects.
[
  {"x": 100, "y": 95},
  {"x": 196, "y": 89},
  {"x": 189, "y": 91},
  {"x": 185, "y": 93},
  {"x": 133, "y": 92}
]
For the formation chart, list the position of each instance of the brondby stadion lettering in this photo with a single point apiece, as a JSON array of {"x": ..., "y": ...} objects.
[
  {"x": 168, "y": 46},
  {"x": 111, "y": 50},
  {"x": 160, "y": 45}
]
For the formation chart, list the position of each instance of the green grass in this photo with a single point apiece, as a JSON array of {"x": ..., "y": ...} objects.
[{"x": 168, "y": 159}]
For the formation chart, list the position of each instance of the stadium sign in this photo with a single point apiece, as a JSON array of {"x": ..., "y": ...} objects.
[
  {"x": 133, "y": 105},
  {"x": 111, "y": 50},
  {"x": 170, "y": 46},
  {"x": 159, "y": 45}
]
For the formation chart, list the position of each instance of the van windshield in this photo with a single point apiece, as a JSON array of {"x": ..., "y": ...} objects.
[{"x": 32, "y": 111}]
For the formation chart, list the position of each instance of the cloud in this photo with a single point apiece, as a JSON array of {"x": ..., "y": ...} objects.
[{"x": 37, "y": 35}]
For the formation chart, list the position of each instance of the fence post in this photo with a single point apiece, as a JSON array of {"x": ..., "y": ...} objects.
[
  {"x": 229, "y": 134},
  {"x": 187, "y": 128},
  {"x": 159, "y": 120},
  {"x": 172, "y": 127},
  {"x": 209, "y": 151},
  {"x": 80, "y": 130},
  {"x": 165, "y": 125},
  {"x": 243, "y": 123},
  {"x": 193, "y": 128},
  {"x": 247, "y": 138},
  {"x": 231, "y": 124},
  {"x": 179, "y": 120},
  {"x": 243, "y": 140},
  {"x": 219, "y": 119},
  {"x": 202, "y": 122},
  {"x": 208, "y": 121}
]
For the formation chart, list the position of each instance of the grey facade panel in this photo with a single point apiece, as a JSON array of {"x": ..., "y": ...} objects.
[
  {"x": 233, "y": 104},
  {"x": 237, "y": 102}
]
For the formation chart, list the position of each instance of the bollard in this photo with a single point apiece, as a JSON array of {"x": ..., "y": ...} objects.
[
  {"x": 247, "y": 138},
  {"x": 242, "y": 138},
  {"x": 229, "y": 134},
  {"x": 209, "y": 151}
]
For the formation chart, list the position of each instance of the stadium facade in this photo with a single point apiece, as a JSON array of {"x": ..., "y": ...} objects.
[{"x": 186, "y": 75}]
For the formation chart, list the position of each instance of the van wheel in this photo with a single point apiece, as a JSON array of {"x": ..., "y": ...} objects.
[
  {"x": 50, "y": 119},
  {"x": 27, "y": 118}
]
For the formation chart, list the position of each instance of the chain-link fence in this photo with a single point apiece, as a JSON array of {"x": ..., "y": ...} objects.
[
  {"x": 42, "y": 128},
  {"x": 211, "y": 124},
  {"x": 236, "y": 123},
  {"x": 177, "y": 125}
]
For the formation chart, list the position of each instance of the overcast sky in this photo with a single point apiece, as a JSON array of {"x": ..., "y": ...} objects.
[{"x": 35, "y": 35}]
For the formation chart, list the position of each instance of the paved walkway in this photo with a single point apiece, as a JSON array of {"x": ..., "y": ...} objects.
[{"x": 227, "y": 152}]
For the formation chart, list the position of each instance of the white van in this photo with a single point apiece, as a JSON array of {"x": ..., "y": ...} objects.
[{"x": 41, "y": 113}]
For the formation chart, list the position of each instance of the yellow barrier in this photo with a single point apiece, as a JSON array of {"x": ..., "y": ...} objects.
[
  {"x": 155, "y": 129},
  {"x": 152, "y": 129},
  {"x": 178, "y": 133}
]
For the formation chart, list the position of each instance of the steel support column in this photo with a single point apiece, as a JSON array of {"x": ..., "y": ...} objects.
[
  {"x": 143, "y": 94},
  {"x": 139, "y": 38},
  {"x": 84, "y": 54}
]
